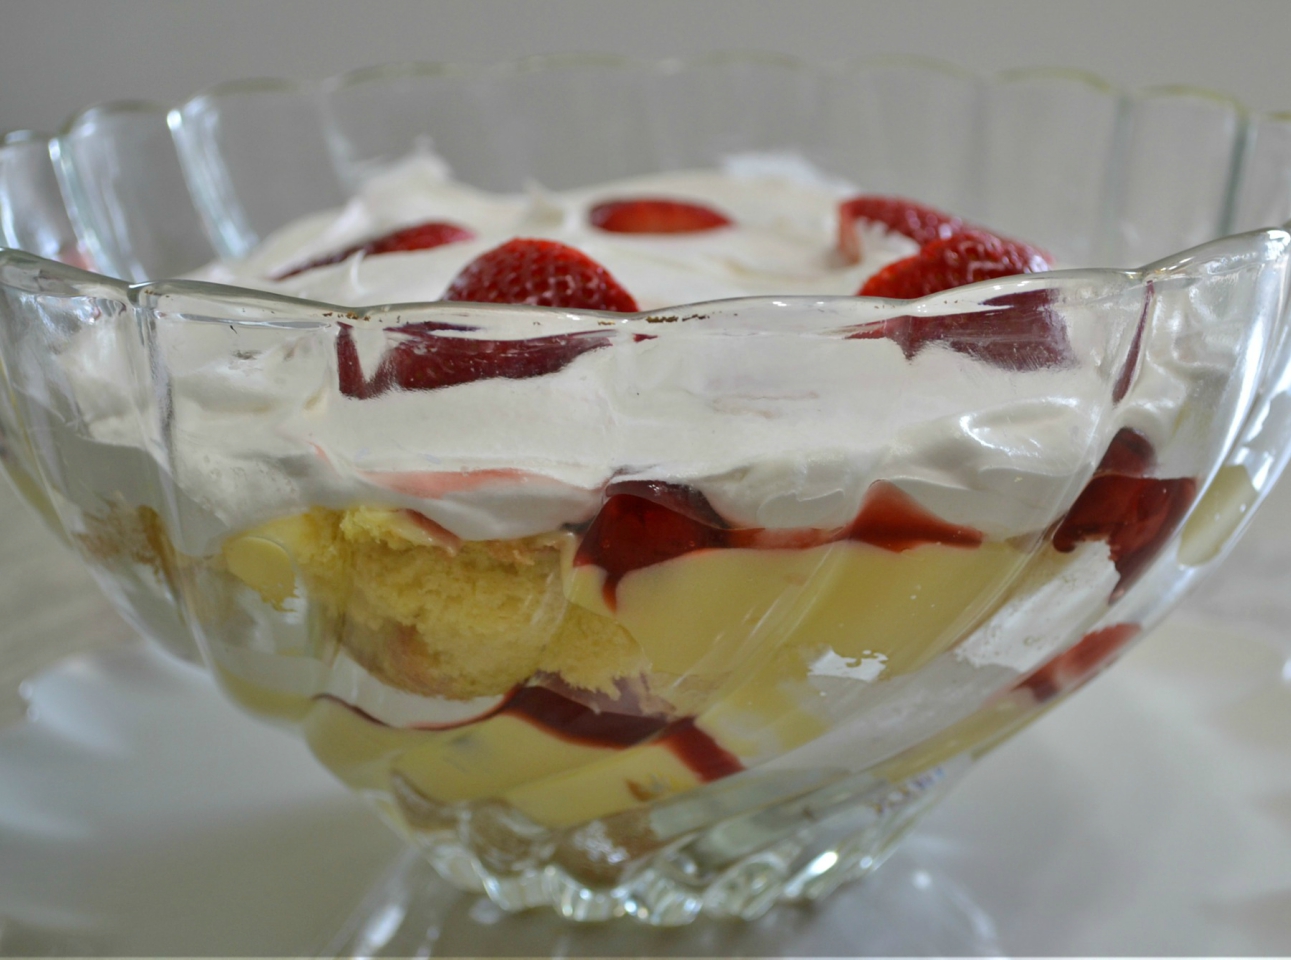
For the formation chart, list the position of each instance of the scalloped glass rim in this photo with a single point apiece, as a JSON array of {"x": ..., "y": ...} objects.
[
  {"x": 556, "y": 62},
  {"x": 74, "y": 282},
  {"x": 412, "y": 68}
]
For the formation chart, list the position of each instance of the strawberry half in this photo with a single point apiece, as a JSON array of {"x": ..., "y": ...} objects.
[
  {"x": 965, "y": 257},
  {"x": 541, "y": 273},
  {"x": 921, "y": 224},
  {"x": 421, "y": 236},
  {"x": 655, "y": 215},
  {"x": 426, "y": 356}
]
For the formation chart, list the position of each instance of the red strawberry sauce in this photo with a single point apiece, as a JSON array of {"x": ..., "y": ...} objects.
[
  {"x": 574, "y": 722},
  {"x": 578, "y": 723},
  {"x": 642, "y": 524}
]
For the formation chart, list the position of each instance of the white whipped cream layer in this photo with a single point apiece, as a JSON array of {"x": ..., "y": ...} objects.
[
  {"x": 776, "y": 427},
  {"x": 776, "y": 431}
]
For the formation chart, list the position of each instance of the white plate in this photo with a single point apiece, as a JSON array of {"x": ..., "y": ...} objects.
[{"x": 141, "y": 815}]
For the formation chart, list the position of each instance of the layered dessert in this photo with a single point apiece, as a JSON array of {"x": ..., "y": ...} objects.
[{"x": 568, "y": 563}]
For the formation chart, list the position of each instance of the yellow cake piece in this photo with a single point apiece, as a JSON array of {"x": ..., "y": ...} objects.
[{"x": 435, "y": 617}]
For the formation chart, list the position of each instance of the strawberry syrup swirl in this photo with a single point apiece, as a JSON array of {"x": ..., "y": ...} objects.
[
  {"x": 644, "y": 524},
  {"x": 574, "y": 722},
  {"x": 578, "y": 723}
]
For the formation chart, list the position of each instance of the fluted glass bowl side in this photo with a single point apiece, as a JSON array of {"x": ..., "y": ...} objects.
[{"x": 192, "y": 440}]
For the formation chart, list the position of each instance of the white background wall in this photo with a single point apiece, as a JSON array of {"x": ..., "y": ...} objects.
[{"x": 57, "y": 56}]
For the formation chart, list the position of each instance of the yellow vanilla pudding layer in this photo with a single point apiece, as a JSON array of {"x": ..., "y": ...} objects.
[{"x": 732, "y": 637}]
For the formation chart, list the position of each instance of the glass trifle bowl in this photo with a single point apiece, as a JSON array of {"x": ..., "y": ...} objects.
[{"x": 672, "y": 607}]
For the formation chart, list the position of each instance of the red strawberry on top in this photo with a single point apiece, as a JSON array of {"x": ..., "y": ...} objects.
[
  {"x": 655, "y": 215},
  {"x": 427, "y": 356},
  {"x": 421, "y": 236},
  {"x": 541, "y": 273},
  {"x": 921, "y": 224},
  {"x": 964, "y": 257}
]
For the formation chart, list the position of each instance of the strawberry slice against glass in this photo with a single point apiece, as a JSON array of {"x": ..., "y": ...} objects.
[
  {"x": 428, "y": 356},
  {"x": 1016, "y": 331}
]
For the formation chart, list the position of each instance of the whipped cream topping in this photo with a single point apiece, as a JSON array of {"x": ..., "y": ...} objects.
[
  {"x": 781, "y": 240},
  {"x": 777, "y": 421}
]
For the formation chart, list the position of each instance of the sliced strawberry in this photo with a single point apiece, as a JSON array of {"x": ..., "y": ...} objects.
[
  {"x": 349, "y": 370},
  {"x": 655, "y": 215},
  {"x": 424, "y": 358},
  {"x": 1080, "y": 662},
  {"x": 632, "y": 532},
  {"x": 421, "y": 236},
  {"x": 425, "y": 361},
  {"x": 921, "y": 224},
  {"x": 538, "y": 272},
  {"x": 541, "y": 273},
  {"x": 964, "y": 257},
  {"x": 1133, "y": 513},
  {"x": 1016, "y": 331}
]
